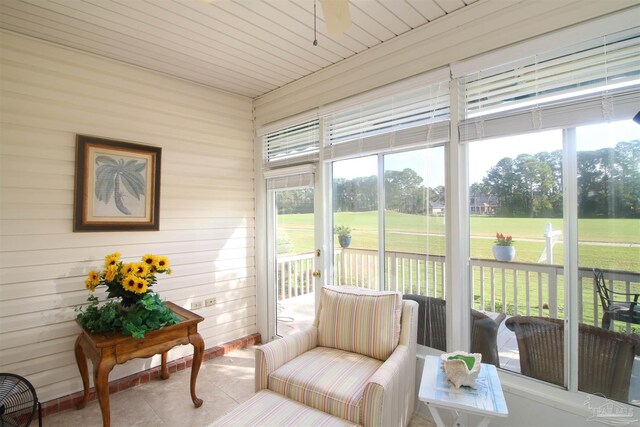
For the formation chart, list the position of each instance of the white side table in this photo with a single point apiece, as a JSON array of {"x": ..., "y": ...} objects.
[{"x": 487, "y": 400}]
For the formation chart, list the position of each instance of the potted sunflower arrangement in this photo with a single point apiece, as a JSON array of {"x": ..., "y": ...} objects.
[{"x": 131, "y": 307}]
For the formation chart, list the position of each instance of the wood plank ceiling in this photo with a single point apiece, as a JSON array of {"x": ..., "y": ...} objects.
[{"x": 246, "y": 47}]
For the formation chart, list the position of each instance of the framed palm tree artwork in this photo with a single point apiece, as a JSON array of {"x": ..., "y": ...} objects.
[{"x": 117, "y": 186}]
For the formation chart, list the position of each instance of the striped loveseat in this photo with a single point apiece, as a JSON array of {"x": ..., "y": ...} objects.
[{"x": 357, "y": 362}]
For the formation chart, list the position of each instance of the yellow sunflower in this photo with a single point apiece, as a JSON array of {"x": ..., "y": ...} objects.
[
  {"x": 151, "y": 260},
  {"x": 93, "y": 280},
  {"x": 110, "y": 273},
  {"x": 94, "y": 277},
  {"x": 141, "y": 286},
  {"x": 141, "y": 269},
  {"x": 128, "y": 269},
  {"x": 163, "y": 263},
  {"x": 129, "y": 282},
  {"x": 111, "y": 259}
]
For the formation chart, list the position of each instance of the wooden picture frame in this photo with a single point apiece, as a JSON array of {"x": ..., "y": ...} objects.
[{"x": 117, "y": 186}]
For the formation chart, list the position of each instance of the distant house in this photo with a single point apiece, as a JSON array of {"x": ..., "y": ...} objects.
[
  {"x": 436, "y": 208},
  {"x": 482, "y": 204}
]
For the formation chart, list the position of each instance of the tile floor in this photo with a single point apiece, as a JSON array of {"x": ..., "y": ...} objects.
[{"x": 223, "y": 383}]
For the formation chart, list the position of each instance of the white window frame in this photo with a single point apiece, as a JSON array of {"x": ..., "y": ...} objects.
[{"x": 457, "y": 214}]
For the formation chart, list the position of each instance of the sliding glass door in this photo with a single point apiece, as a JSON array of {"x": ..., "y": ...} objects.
[{"x": 408, "y": 234}]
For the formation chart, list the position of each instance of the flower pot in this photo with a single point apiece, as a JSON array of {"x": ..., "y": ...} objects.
[
  {"x": 124, "y": 308},
  {"x": 504, "y": 253},
  {"x": 344, "y": 241}
]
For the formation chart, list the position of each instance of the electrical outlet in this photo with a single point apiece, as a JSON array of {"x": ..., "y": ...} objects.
[
  {"x": 196, "y": 305},
  {"x": 209, "y": 302}
]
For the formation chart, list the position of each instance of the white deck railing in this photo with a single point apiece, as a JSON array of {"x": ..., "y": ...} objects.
[
  {"x": 407, "y": 272},
  {"x": 515, "y": 288},
  {"x": 294, "y": 275}
]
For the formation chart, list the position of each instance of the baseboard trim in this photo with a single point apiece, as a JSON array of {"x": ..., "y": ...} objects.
[{"x": 70, "y": 401}]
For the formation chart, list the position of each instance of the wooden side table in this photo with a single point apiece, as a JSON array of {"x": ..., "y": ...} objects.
[
  {"x": 109, "y": 349},
  {"x": 436, "y": 391}
]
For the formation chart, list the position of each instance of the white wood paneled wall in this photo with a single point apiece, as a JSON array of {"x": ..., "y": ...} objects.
[{"x": 48, "y": 95}]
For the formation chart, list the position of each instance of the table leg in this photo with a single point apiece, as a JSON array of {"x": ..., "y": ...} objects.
[
  {"x": 461, "y": 419},
  {"x": 164, "y": 372},
  {"x": 198, "y": 351},
  {"x": 81, "y": 360},
  {"x": 101, "y": 381},
  {"x": 436, "y": 416}
]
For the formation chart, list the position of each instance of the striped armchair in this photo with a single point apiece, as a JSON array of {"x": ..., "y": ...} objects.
[{"x": 356, "y": 362}]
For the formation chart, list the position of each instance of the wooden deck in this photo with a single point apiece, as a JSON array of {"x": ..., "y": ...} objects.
[{"x": 296, "y": 313}]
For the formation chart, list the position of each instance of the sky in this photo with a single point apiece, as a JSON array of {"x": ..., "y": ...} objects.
[{"x": 484, "y": 154}]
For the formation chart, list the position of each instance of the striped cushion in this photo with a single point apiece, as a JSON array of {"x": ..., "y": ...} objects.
[
  {"x": 360, "y": 321},
  {"x": 327, "y": 379},
  {"x": 276, "y": 353},
  {"x": 273, "y": 410}
]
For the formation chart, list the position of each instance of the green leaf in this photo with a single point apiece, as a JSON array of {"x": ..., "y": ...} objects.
[
  {"x": 133, "y": 182},
  {"x": 105, "y": 182},
  {"x": 140, "y": 167},
  {"x": 106, "y": 159},
  {"x": 147, "y": 303},
  {"x": 148, "y": 313}
]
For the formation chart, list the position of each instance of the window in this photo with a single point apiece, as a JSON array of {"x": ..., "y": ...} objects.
[
  {"x": 290, "y": 154},
  {"x": 373, "y": 147},
  {"x": 586, "y": 83},
  {"x": 414, "y": 232},
  {"x": 553, "y": 166},
  {"x": 515, "y": 188},
  {"x": 356, "y": 222},
  {"x": 528, "y": 125},
  {"x": 413, "y": 117},
  {"x": 298, "y": 143},
  {"x": 608, "y": 194}
]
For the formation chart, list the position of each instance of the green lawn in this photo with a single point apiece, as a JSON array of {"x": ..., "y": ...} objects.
[
  {"x": 418, "y": 234},
  {"x": 528, "y": 234}
]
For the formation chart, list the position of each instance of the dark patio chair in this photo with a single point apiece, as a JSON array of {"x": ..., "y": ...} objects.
[
  {"x": 625, "y": 308},
  {"x": 605, "y": 357},
  {"x": 432, "y": 328}
]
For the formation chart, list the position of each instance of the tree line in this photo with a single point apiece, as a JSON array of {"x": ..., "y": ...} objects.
[
  {"x": 529, "y": 185},
  {"x": 404, "y": 192}
]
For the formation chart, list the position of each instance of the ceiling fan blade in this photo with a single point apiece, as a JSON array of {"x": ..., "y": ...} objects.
[{"x": 336, "y": 15}]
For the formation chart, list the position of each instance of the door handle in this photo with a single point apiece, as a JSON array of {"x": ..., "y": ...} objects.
[{"x": 316, "y": 273}]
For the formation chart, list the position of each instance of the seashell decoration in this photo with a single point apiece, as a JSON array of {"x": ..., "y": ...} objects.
[{"x": 457, "y": 370}]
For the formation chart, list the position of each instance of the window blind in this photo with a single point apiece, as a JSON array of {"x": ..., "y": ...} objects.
[
  {"x": 291, "y": 178},
  {"x": 294, "y": 144},
  {"x": 414, "y": 116},
  {"x": 580, "y": 84}
]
